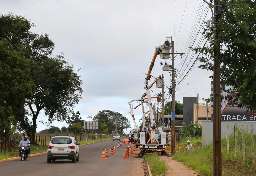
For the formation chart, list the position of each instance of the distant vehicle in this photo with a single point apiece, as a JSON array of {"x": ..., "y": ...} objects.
[
  {"x": 63, "y": 147},
  {"x": 116, "y": 137}
]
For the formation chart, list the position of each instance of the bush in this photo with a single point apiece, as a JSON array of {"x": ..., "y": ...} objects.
[{"x": 191, "y": 130}]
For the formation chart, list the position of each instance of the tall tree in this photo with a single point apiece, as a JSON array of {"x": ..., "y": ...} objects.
[
  {"x": 238, "y": 46},
  {"x": 76, "y": 124},
  {"x": 57, "y": 89},
  {"x": 15, "y": 80},
  {"x": 109, "y": 121},
  {"x": 32, "y": 77}
]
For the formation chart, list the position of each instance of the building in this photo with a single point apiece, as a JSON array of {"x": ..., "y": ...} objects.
[
  {"x": 188, "y": 109},
  {"x": 202, "y": 112}
]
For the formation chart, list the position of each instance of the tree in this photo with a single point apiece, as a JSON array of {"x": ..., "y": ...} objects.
[
  {"x": 51, "y": 130},
  {"x": 15, "y": 80},
  {"x": 64, "y": 130},
  {"x": 76, "y": 125},
  {"x": 54, "y": 130},
  {"x": 238, "y": 46},
  {"x": 32, "y": 79},
  {"x": 109, "y": 121},
  {"x": 178, "y": 108},
  {"x": 57, "y": 90}
]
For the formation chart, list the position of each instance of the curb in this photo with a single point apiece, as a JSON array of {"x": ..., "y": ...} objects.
[
  {"x": 149, "y": 170},
  {"x": 146, "y": 168}
]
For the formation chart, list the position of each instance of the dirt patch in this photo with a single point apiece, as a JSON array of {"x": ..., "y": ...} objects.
[{"x": 137, "y": 168}]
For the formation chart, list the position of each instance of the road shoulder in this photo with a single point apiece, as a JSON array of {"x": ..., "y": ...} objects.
[
  {"x": 176, "y": 168},
  {"x": 137, "y": 167}
]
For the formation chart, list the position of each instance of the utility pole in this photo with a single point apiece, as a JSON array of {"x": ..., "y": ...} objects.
[
  {"x": 167, "y": 51},
  {"x": 173, "y": 133},
  {"x": 217, "y": 158},
  {"x": 162, "y": 98}
]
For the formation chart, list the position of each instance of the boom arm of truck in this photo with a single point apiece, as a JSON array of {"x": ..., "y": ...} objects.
[
  {"x": 151, "y": 111},
  {"x": 148, "y": 75}
]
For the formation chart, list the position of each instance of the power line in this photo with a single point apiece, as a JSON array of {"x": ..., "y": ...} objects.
[
  {"x": 202, "y": 19},
  {"x": 194, "y": 37},
  {"x": 193, "y": 64}
]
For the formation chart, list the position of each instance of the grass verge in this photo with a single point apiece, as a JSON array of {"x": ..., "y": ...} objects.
[
  {"x": 199, "y": 160},
  {"x": 10, "y": 154},
  {"x": 238, "y": 153},
  {"x": 157, "y": 166}
]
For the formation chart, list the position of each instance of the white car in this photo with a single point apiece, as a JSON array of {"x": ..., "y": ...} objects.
[{"x": 63, "y": 147}]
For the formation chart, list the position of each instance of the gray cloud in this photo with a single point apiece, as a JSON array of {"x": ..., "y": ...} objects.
[{"x": 112, "y": 41}]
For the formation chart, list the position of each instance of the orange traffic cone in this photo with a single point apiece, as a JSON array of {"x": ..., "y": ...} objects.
[
  {"x": 112, "y": 151},
  {"x": 126, "y": 154},
  {"x": 134, "y": 151},
  {"x": 104, "y": 155},
  {"x": 130, "y": 150}
]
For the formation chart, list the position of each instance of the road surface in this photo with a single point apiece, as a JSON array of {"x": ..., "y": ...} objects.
[{"x": 90, "y": 164}]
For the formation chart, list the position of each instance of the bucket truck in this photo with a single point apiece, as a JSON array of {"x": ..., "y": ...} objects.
[{"x": 152, "y": 136}]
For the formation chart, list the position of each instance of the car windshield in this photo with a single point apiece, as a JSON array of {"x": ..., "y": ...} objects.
[{"x": 61, "y": 140}]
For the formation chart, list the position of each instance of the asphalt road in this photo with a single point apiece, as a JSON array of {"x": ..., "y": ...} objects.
[{"x": 90, "y": 164}]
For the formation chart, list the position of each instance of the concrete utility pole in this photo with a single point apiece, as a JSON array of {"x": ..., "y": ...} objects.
[
  {"x": 173, "y": 133},
  {"x": 173, "y": 87},
  {"x": 162, "y": 97},
  {"x": 217, "y": 158}
]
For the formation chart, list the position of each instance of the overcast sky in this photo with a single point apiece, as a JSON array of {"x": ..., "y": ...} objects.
[{"x": 111, "y": 43}]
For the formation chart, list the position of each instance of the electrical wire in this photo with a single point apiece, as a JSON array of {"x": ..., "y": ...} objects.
[
  {"x": 191, "y": 67},
  {"x": 194, "y": 37}
]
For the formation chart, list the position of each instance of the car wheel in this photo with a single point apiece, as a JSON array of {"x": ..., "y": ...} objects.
[
  {"x": 48, "y": 160},
  {"x": 77, "y": 158},
  {"x": 74, "y": 159}
]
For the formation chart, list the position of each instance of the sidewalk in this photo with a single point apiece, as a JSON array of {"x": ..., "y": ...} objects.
[{"x": 176, "y": 168}]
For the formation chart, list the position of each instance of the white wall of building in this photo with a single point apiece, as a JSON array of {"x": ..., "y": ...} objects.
[{"x": 227, "y": 129}]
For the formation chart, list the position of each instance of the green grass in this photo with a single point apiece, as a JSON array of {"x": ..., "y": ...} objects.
[
  {"x": 15, "y": 153},
  {"x": 199, "y": 160},
  {"x": 238, "y": 153},
  {"x": 157, "y": 166},
  {"x": 7, "y": 155}
]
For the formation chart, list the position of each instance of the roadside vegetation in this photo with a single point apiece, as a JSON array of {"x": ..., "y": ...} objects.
[
  {"x": 237, "y": 40},
  {"x": 237, "y": 37},
  {"x": 14, "y": 153},
  {"x": 33, "y": 80},
  {"x": 157, "y": 166},
  {"x": 238, "y": 152}
]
